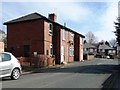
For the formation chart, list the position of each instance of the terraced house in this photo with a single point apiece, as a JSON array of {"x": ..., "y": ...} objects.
[{"x": 37, "y": 33}]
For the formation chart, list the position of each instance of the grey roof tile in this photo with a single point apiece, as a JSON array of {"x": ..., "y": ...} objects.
[
  {"x": 105, "y": 47},
  {"x": 26, "y": 18}
]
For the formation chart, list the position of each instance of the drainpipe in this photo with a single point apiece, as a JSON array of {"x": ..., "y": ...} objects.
[{"x": 68, "y": 46}]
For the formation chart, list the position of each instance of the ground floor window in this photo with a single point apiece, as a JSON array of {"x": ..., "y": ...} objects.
[
  {"x": 71, "y": 51},
  {"x": 51, "y": 49}
]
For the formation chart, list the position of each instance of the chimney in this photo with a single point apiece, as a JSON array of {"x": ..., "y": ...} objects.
[{"x": 52, "y": 17}]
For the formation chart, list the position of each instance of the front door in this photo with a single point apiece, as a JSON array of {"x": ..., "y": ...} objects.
[
  {"x": 62, "y": 54},
  {"x": 26, "y": 50}
]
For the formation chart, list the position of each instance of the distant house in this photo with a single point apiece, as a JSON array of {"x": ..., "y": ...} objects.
[
  {"x": 90, "y": 49},
  {"x": 106, "y": 50},
  {"x": 35, "y": 33}
]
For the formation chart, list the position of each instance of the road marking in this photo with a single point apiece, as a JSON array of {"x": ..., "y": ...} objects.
[{"x": 99, "y": 63}]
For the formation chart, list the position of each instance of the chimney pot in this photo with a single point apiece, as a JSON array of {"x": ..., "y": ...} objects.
[{"x": 52, "y": 17}]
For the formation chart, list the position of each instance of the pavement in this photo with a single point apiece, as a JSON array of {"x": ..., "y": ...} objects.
[{"x": 48, "y": 67}]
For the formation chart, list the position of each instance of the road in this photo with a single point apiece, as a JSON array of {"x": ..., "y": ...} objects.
[{"x": 87, "y": 74}]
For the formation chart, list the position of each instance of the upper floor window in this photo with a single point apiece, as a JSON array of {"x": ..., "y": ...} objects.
[
  {"x": 72, "y": 36},
  {"x": 50, "y": 28},
  {"x": 85, "y": 49},
  {"x": 63, "y": 34},
  {"x": 91, "y": 50}
]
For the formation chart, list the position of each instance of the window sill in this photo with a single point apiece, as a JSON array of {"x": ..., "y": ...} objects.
[
  {"x": 50, "y": 34},
  {"x": 71, "y": 55}
]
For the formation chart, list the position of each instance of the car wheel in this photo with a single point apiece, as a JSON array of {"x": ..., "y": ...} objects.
[{"x": 15, "y": 74}]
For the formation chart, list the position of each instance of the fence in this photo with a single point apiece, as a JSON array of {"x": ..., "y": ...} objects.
[{"x": 38, "y": 61}]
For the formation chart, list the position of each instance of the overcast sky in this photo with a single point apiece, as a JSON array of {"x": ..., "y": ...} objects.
[{"x": 81, "y": 16}]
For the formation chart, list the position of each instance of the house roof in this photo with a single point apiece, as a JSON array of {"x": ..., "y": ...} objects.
[
  {"x": 88, "y": 45},
  {"x": 36, "y": 16},
  {"x": 105, "y": 47},
  {"x": 28, "y": 17}
]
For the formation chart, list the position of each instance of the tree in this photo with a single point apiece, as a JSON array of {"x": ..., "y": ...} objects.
[
  {"x": 3, "y": 37},
  {"x": 117, "y": 32},
  {"x": 85, "y": 41},
  {"x": 107, "y": 43},
  {"x": 113, "y": 43},
  {"x": 90, "y": 38}
]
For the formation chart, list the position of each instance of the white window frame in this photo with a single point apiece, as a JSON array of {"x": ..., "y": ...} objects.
[
  {"x": 114, "y": 51},
  {"x": 85, "y": 49},
  {"x": 51, "y": 49},
  {"x": 72, "y": 36},
  {"x": 103, "y": 50},
  {"x": 71, "y": 51},
  {"x": 91, "y": 50},
  {"x": 110, "y": 51},
  {"x": 63, "y": 34},
  {"x": 50, "y": 29},
  {"x": 62, "y": 50}
]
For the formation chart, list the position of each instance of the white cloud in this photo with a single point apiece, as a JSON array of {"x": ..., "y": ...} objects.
[
  {"x": 107, "y": 22},
  {"x": 69, "y": 11},
  {"x": 60, "y": 0}
]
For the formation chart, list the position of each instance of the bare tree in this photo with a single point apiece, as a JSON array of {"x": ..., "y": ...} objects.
[
  {"x": 90, "y": 38},
  {"x": 2, "y": 36},
  {"x": 113, "y": 43}
]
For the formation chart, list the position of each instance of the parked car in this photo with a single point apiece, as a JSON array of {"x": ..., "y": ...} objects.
[
  {"x": 9, "y": 66},
  {"x": 108, "y": 57}
]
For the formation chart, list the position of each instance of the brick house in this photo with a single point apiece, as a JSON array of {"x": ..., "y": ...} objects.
[
  {"x": 105, "y": 50},
  {"x": 36, "y": 33}
]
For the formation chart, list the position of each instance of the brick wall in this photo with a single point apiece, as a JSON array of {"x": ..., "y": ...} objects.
[
  {"x": 56, "y": 43},
  {"x": 67, "y": 43},
  {"x": 47, "y": 38},
  {"x": 26, "y": 33},
  {"x": 81, "y": 49},
  {"x": 1, "y": 47}
]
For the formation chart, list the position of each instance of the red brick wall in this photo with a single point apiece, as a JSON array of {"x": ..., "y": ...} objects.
[
  {"x": 67, "y": 46},
  {"x": 76, "y": 47},
  {"x": 81, "y": 49},
  {"x": 47, "y": 38},
  {"x": 56, "y": 44},
  {"x": 22, "y": 33},
  {"x": 71, "y": 38}
]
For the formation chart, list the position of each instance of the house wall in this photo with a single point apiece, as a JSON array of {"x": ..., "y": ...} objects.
[
  {"x": 26, "y": 33},
  {"x": 81, "y": 49},
  {"x": 65, "y": 43},
  {"x": 76, "y": 47},
  {"x": 56, "y": 43},
  {"x": 1, "y": 47},
  {"x": 71, "y": 45}
]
